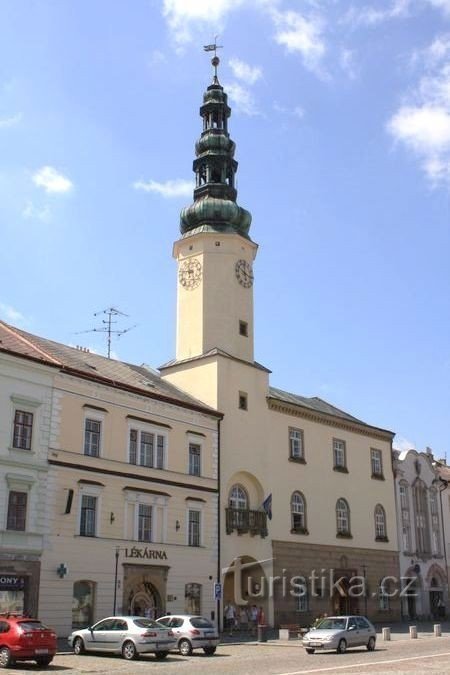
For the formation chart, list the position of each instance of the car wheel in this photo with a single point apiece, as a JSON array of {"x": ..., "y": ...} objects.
[
  {"x": 185, "y": 647},
  {"x": 6, "y": 659},
  {"x": 44, "y": 661},
  {"x": 129, "y": 651},
  {"x": 78, "y": 646},
  {"x": 161, "y": 655},
  {"x": 342, "y": 647},
  {"x": 209, "y": 651},
  {"x": 371, "y": 644},
  {"x": 310, "y": 651}
]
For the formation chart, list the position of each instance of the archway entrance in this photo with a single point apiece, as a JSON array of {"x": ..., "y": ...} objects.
[
  {"x": 250, "y": 588},
  {"x": 342, "y": 601},
  {"x": 145, "y": 601}
]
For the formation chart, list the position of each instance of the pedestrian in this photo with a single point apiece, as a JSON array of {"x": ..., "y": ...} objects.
[
  {"x": 243, "y": 619},
  {"x": 230, "y": 617},
  {"x": 253, "y": 618},
  {"x": 261, "y": 617}
]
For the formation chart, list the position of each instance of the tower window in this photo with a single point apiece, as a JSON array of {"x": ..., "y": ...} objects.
[
  {"x": 243, "y": 401},
  {"x": 243, "y": 328}
]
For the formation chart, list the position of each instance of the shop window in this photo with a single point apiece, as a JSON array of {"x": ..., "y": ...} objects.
[
  {"x": 83, "y": 604},
  {"x": 192, "y": 598}
]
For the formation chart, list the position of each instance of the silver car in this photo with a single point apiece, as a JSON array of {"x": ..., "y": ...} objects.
[
  {"x": 339, "y": 633},
  {"x": 126, "y": 635},
  {"x": 192, "y": 632}
]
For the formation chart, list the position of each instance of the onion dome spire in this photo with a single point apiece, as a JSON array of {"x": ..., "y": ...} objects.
[{"x": 214, "y": 208}]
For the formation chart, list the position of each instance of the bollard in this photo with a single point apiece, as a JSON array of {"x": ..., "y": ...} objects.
[
  {"x": 386, "y": 634},
  {"x": 437, "y": 630},
  {"x": 413, "y": 632},
  {"x": 283, "y": 634},
  {"x": 262, "y": 633}
]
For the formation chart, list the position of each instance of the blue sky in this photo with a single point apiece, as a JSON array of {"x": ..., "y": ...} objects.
[{"x": 341, "y": 115}]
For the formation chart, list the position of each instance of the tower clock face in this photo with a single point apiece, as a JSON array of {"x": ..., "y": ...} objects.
[
  {"x": 244, "y": 273},
  {"x": 190, "y": 274}
]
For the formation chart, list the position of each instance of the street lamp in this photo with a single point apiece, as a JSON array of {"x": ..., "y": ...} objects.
[{"x": 115, "y": 578}]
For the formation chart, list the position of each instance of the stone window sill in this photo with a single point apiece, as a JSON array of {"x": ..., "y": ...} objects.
[
  {"x": 378, "y": 476},
  {"x": 344, "y": 535},
  {"x": 297, "y": 460},
  {"x": 21, "y": 450},
  {"x": 340, "y": 469},
  {"x": 381, "y": 538},
  {"x": 299, "y": 530}
]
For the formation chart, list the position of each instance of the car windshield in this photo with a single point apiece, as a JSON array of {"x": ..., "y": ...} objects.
[
  {"x": 332, "y": 624},
  {"x": 32, "y": 625},
  {"x": 146, "y": 623},
  {"x": 200, "y": 622}
]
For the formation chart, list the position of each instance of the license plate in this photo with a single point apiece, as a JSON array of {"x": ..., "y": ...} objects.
[
  {"x": 41, "y": 651},
  {"x": 315, "y": 644}
]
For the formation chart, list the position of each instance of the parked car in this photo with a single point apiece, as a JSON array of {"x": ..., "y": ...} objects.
[
  {"x": 126, "y": 635},
  {"x": 192, "y": 632},
  {"x": 25, "y": 639},
  {"x": 339, "y": 633}
]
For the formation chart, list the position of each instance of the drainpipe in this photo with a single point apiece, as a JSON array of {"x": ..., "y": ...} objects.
[{"x": 219, "y": 511}]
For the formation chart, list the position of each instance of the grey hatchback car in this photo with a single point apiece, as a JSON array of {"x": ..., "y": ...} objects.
[
  {"x": 340, "y": 632},
  {"x": 192, "y": 632},
  {"x": 126, "y": 635}
]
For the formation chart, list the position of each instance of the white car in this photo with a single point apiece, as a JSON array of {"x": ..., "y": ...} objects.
[
  {"x": 340, "y": 632},
  {"x": 126, "y": 635},
  {"x": 192, "y": 632}
]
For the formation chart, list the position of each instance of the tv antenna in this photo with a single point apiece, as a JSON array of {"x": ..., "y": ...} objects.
[{"x": 110, "y": 312}]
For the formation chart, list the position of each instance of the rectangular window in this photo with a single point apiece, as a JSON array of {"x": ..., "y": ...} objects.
[
  {"x": 17, "y": 511},
  {"x": 92, "y": 431},
  {"x": 23, "y": 426},
  {"x": 194, "y": 528},
  {"x": 376, "y": 460},
  {"x": 339, "y": 454},
  {"x": 303, "y": 601},
  {"x": 194, "y": 459},
  {"x": 147, "y": 449},
  {"x": 88, "y": 516},
  {"x": 243, "y": 401},
  {"x": 296, "y": 450},
  {"x": 243, "y": 328},
  {"x": 145, "y": 522}
]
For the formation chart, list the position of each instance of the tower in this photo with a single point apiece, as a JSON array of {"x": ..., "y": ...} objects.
[{"x": 215, "y": 252}]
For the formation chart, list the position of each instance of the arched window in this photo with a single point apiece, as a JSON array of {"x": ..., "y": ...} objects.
[
  {"x": 435, "y": 531},
  {"x": 83, "y": 604},
  {"x": 238, "y": 498},
  {"x": 406, "y": 521},
  {"x": 380, "y": 523},
  {"x": 192, "y": 598},
  {"x": 342, "y": 518},
  {"x": 298, "y": 513}
]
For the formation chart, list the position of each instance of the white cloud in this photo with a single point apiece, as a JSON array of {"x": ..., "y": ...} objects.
[
  {"x": 441, "y": 4},
  {"x": 6, "y": 122},
  {"x": 242, "y": 98},
  {"x": 402, "y": 444},
  {"x": 371, "y": 16},
  {"x": 168, "y": 190},
  {"x": 50, "y": 180},
  {"x": 297, "y": 111},
  {"x": 300, "y": 34},
  {"x": 183, "y": 15},
  {"x": 11, "y": 314},
  {"x": 426, "y": 129},
  {"x": 348, "y": 64},
  {"x": 32, "y": 212},
  {"x": 243, "y": 71}
]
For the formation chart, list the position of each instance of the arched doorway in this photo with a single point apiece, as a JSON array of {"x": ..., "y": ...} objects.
[
  {"x": 251, "y": 587},
  {"x": 145, "y": 600}
]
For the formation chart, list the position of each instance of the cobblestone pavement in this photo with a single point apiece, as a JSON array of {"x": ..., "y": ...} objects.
[{"x": 401, "y": 655}]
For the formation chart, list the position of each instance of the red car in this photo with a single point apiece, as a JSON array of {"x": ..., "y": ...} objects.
[{"x": 24, "y": 639}]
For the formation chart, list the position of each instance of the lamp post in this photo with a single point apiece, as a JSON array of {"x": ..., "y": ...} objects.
[{"x": 115, "y": 578}]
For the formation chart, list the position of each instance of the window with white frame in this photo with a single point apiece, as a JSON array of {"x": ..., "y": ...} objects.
[
  {"x": 420, "y": 497},
  {"x": 435, "y": 530},
  {"x": 238, "y": 498},
  {"x": 405, "y": 516},
  {"x": 298, "y": 513},
  {"x": 376, "y": 460},
  {"x": 92, "y": 436},
  {"x": 144, "y": 522},
  {"x": 17, "y": 510},
  {"x": 342, "y": 517},
  {"x": 380, "y": 523},
  {"x": 194, "y": 459},
  {"x": 23, "y": 429},
  {"x": 147, "y": 448},
  {"x": 296, "y": 447},
  {"x": 88, "y": 515},
  {"x": 194, "y": 527},
  {"x": 339, "y": 454}
]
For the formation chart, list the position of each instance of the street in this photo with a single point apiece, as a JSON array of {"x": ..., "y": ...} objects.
[{"x": 272, "y": 658}]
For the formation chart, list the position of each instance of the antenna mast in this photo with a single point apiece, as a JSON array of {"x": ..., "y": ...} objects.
[{"x": 110, "y": 312}]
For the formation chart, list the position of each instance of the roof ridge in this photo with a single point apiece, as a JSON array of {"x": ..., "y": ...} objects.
[{"x": 17, "y": 333}]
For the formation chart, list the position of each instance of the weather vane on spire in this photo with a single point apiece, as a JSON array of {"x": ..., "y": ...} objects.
[{"x": 215, "y": 60}]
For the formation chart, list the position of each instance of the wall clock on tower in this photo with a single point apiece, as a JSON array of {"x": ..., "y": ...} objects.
[
  {"x": 244, "y": 273},
  {"x": 190, "y": 274}
]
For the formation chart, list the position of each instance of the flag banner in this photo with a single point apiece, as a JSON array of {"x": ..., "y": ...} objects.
[{"x": 267, "y": 506}]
